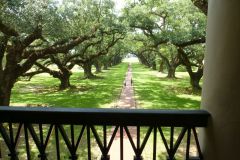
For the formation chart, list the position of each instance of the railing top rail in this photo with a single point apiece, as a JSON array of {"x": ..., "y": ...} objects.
[{"x": 94, "y": 116}]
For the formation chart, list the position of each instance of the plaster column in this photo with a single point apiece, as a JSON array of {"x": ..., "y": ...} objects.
[{"x": 221, "y": 86}]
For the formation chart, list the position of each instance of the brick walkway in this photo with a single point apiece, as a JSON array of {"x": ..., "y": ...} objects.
[
  {"x": 126, "y": 101},
  {"x": 127, "y": 96}
]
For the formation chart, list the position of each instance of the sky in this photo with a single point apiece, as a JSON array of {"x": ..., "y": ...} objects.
[{"x": 119, "y": 4}]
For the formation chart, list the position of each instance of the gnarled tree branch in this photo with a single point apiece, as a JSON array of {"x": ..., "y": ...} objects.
[
  {"x": 190, "y": 42},
  {"x": 202, "y": 5},
  {"x": 7, "y": 30}
]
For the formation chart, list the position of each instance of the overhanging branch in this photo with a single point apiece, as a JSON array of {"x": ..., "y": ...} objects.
[
  {"x": 7, "y": 30},
  {"x": 202, "y": 5},
  {"x": 190, "y": 42}
]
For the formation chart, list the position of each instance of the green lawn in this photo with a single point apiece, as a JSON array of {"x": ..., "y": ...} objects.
[
  {"x": 154, "y": 91},
  {"x": 43, "y": 90}
]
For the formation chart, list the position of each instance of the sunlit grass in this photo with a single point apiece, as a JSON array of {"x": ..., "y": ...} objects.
[
  {"x": 43, "y": 90},
  {"x": 154, "y": 91}
]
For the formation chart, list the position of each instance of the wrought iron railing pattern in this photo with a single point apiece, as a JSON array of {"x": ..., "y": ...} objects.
[{"x": 40, "y": 124}]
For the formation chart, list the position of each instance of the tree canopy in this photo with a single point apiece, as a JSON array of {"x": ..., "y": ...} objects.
[{"x": 37, "y": 34}]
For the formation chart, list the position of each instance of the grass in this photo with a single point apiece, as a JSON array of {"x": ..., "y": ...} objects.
[
  {"x": 43, "y": 90},
  {"x": 154, "y": 91},
  {"x": 151, "y": 91}
]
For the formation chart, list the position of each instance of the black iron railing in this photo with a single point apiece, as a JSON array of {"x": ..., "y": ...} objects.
[{"x": 38, "y": 125}]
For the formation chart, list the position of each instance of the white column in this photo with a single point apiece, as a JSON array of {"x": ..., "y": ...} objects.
[{"x": 221, "y": 86}]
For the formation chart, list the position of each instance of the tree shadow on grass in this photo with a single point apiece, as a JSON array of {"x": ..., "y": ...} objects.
[
  {"x": 162, "y": 93},
  {"x": 160, "y": 100},
  {"x": 86, "y": 93}
]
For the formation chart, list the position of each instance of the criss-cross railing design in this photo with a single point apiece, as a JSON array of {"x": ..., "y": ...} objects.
[{"x": 69, "y": 126}]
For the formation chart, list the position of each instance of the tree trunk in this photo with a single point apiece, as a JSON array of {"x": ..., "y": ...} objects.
[
  {"x": 87, "y": 67},
  {"x": 116, "y": 60},
  {"x": 143, "y": 60},
  {"x": 202, "y": 5},
  {"x": 6, "y": 89},
  {"x": 154, "y": 66},
  {"x": 105, "y": 66},
  {"x": 8, "y": 78},
  {"x": 5, "y": 95},
  {"x": 195, "y": 78},
  {"x": 195, "y": 84},
  {"x": 98, "y": 67},
  {"x": 161, "y": 67},
  {"x": 65, "y": 82},
  {"x": 171, "y": 72}
]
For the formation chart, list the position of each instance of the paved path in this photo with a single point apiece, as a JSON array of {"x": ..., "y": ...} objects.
[
  {"x": 127, "y": 96},
  {"x": 127, "y": 101}
]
